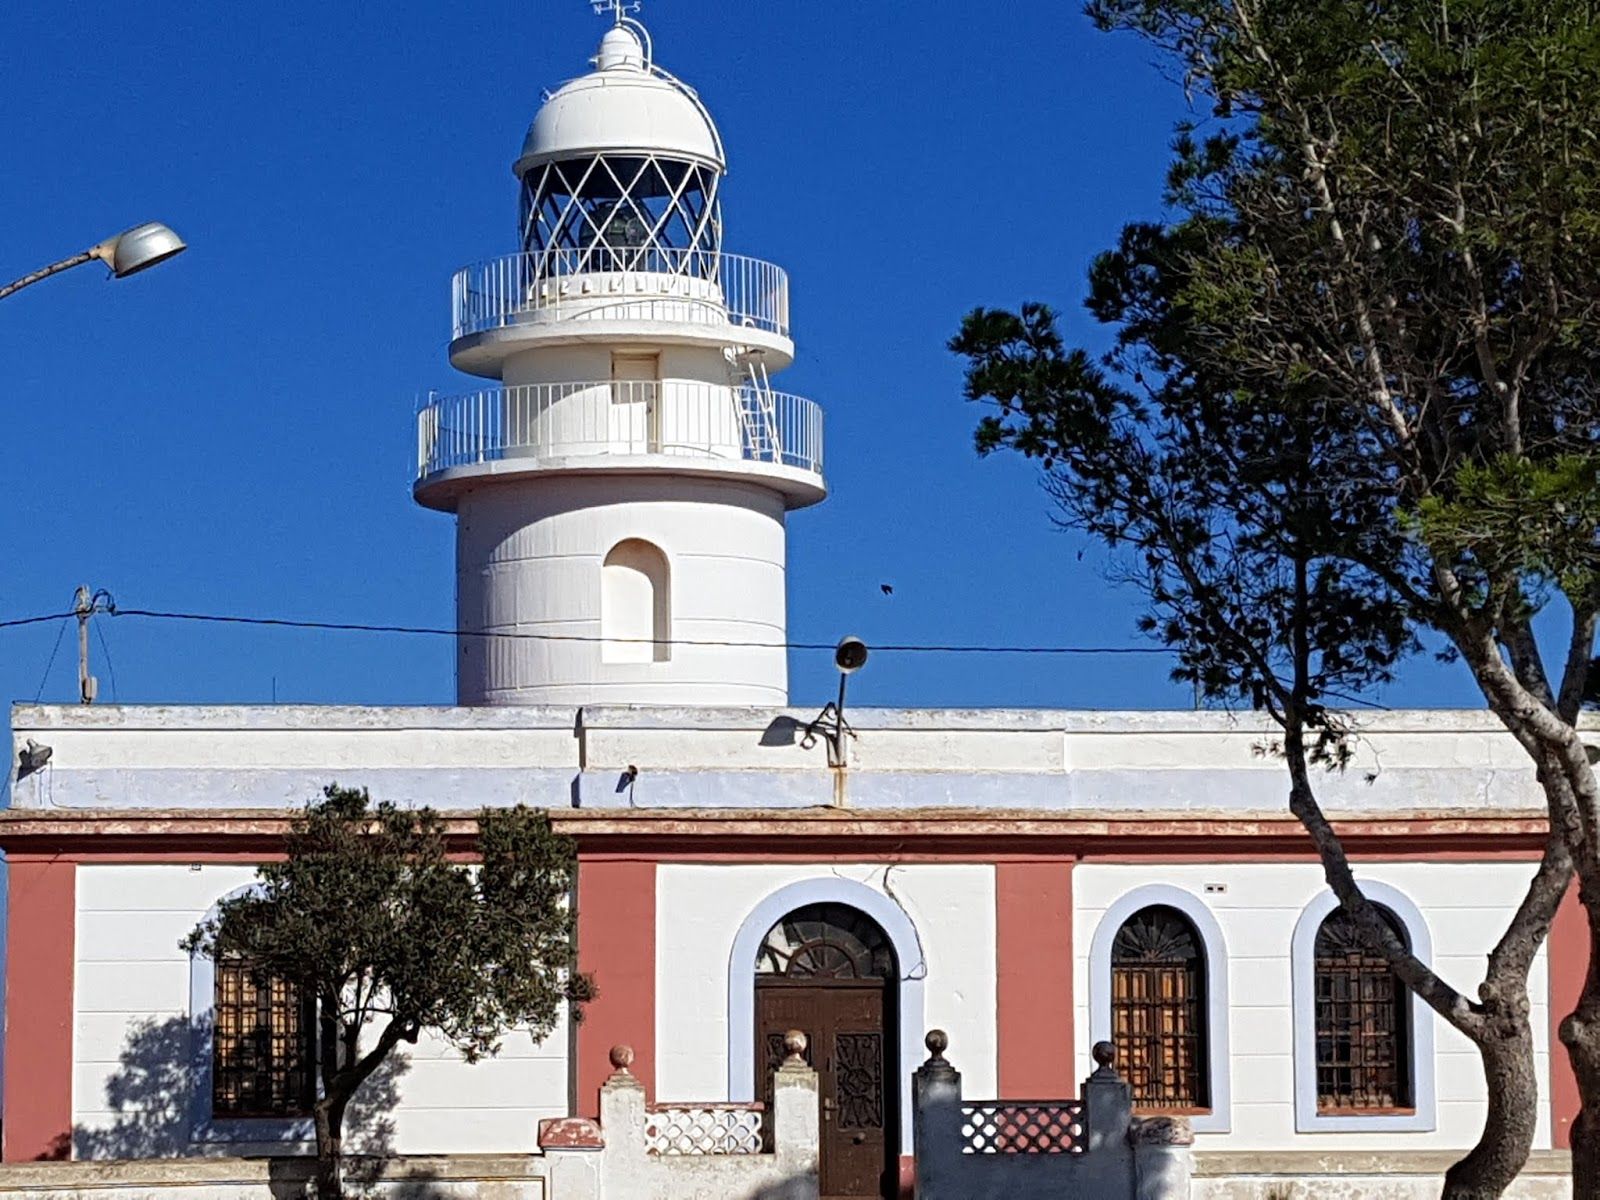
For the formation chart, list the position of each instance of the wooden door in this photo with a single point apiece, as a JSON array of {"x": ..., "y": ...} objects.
[{"x": 852, "y": 1050}]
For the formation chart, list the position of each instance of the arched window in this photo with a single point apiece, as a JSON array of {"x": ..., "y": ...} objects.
[
  {"x": 262, "y": 1035},
  {"x": 1158, "y": 1009},
  {"x": 826, "y": 941},
  {"x": 636, "y": 604},
  {"x": 1362, "y": 1021}
]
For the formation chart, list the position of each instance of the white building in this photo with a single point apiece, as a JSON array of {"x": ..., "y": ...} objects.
[{"x": 1030, "y": 882}]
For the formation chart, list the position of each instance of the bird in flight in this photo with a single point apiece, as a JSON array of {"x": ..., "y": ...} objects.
[{"x": 888, "y": 590}]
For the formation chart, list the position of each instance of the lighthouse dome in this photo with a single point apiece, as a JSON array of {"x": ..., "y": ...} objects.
[{"x": 625, "y": 105}]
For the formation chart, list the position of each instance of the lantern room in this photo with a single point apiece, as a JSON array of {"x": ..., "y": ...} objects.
[{"x": 620, "y": 170}]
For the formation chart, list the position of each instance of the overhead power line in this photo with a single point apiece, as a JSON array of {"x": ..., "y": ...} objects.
[
  {"x": 433, "y": 631},
  {"x": 15, "y": 622},
  {"x": 522, "y": 635}
]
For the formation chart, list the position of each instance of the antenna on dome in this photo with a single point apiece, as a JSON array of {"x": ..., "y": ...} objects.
[{"x": 620, "y": 8}]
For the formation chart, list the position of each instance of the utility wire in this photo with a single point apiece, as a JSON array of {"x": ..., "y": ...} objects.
[
  {"x": 39, "y": 620},
  {"x": 359, "y": 627},
  {"x": 100, "y": 629},
  {"x": 433, "y": 631},
  {"x": 60, "y": 629}
]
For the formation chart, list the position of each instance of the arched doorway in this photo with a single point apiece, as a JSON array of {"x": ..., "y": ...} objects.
[{"x": 830, "y": 971}]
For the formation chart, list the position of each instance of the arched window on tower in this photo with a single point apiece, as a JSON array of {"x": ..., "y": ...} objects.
[
  {"x": 636, "y": 604},
  {"x": 1362, "y": 1021},
  {"x": 1158, "y": 1009}
]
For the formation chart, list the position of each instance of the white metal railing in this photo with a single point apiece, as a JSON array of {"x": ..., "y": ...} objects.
[
  {"x": 677, "y": 417},
  {"x": 694, "y": 286}
]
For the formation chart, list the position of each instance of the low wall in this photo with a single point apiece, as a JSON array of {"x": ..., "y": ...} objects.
[
  {"x": 459, "y": 1177},
  {"x": 635, "y": 1151},
  {"x": 1357, "y": 1175},
  {"x": 1088, "y": 1148}
]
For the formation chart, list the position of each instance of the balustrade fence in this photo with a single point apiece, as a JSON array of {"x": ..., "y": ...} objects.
[
  {"x": 688, "y": 1151},
  {"x": 626, "y": 417},
  {"x": 603, "y": 282},
  {"x": 1088, "y": 1148}
]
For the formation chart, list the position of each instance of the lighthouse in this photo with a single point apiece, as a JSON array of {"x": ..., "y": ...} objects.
[{"x": 622, "y": 486}]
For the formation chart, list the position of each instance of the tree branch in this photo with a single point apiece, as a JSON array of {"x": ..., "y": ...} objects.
[{"x": 1412, "y": 971}]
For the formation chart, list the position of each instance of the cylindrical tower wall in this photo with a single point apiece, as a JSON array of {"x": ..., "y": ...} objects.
[{"x": 633, "y": 568}]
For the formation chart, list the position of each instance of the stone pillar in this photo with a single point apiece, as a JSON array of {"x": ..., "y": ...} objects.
[
  {"x": 624, "y": 1160},
  {"x": 1109, "y": 1100},
  {"x": 1162, "y": 1158},
  {"x": 571, "y": 1147},
  {"x": 936, "y": 1123},
  {"x": 796, "y": 1130}
]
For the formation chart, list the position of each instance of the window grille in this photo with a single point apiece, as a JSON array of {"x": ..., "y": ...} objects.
[
  {"x": 1158, "y": 1010},
  {"x": 262, "y": 1036},
  {"x": 826, "y": 941},
  {"x": 1362, "y": 1018}
]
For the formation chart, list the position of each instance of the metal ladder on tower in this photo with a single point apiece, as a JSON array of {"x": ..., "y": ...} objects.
[{"x": 758, "y": 416}]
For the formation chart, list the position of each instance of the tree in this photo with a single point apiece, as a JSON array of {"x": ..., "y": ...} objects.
[
  {"x": 1351, "y": 399},
  {"x": 372, "y": 915}
]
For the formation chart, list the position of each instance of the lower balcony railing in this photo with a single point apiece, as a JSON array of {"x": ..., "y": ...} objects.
[{"x": 574, "y": 420}]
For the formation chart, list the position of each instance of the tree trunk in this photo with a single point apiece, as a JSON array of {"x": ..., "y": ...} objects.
[
  {"x": 1580, "y": 1033},
  {"x": 329, "y": 1118},
  {"x": 1508, "y": 1127}
]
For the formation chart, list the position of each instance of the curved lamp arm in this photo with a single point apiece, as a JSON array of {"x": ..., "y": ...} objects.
[{"x": 126, "y": 254}]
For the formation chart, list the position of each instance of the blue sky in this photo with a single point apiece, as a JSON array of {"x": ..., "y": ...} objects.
[{"x": 231, "y": 432}]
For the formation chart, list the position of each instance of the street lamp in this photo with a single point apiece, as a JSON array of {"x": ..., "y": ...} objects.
[{"x": 126, "y": 254}]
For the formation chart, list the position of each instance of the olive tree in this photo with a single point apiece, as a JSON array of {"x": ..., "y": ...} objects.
[{"x": 374, "y": 915}]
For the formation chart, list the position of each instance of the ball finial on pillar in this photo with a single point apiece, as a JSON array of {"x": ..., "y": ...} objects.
[
  {"x": 794, "y": 1048},
  {"x": 1105, "y": 1056},
  {"x": 622, "y": 1058}
]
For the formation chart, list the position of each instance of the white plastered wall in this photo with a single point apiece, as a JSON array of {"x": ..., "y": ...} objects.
[
  {"x": 1466, "y": 906},
  {"x": 132, "y": 998},
  {"x": 701, "y": 908}
]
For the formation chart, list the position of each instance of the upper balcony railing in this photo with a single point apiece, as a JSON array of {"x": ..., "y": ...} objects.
[
  {"x": 684, "y": 418},
  {"x": 601, "y": 283}
]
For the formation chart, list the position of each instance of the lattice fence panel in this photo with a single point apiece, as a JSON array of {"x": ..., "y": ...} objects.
[
  {"x": 695, "y": 1130},
  {"x": 1021, "y": 1128}
]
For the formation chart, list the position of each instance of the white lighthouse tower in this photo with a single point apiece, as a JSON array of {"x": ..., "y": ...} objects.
[{"x": 621, "y": 492}]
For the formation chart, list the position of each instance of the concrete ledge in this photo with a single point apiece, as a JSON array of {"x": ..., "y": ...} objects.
[
  {"x": 221, "y": 1172},
  {"x": 1211, "y": 1164}
]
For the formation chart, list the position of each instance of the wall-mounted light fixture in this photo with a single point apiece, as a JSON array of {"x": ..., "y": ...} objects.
[
  {"x": 850, "y": 655},
  {"x": 32, "y": 757}
]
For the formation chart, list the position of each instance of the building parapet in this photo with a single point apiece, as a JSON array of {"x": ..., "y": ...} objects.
[{"x": 679, "y": 759}]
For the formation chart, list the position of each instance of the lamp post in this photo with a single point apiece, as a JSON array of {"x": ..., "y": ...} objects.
[{"x": 126, "y": 254}]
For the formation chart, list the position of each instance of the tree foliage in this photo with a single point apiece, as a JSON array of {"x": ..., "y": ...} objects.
[
  {"x": 1352, "y": 397},
  {"x": 373, "y": 914}
]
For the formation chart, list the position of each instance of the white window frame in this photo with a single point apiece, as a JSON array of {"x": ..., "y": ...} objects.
[
  {"x": 1219, "y": 1064},
  {"x": 1423, "y": 1118},
  {"x": 298, "y": 1133}
]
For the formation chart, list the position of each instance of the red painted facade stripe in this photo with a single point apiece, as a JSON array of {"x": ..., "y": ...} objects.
[
  {"x": 38, "y": 1018},
  {"x": 617, "y": 946},
  {"x": 1033, "y": 976},
  {"x": 1569, "y": 962}
]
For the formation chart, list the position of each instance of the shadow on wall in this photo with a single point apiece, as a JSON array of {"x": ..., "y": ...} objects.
[
  {"x": 804, "y": 1188},
  {"x": 153, "y": 1098}
]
